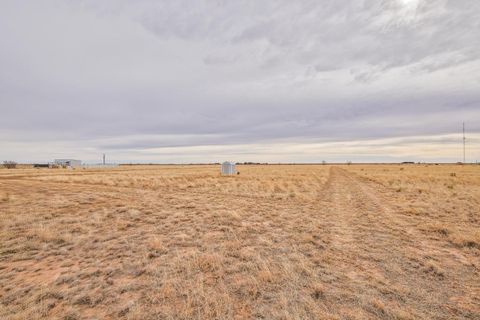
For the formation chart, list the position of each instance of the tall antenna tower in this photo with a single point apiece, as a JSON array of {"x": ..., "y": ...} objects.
[{"x": 464, "y": 142}]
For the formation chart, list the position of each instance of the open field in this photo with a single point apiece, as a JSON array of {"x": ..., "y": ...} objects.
[{"x": 275, "y": 242}]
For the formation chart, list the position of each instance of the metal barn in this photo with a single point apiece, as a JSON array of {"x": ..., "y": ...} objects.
[
  {"x": 68, "y": 162},
  {"x": 228, "y": 168}
]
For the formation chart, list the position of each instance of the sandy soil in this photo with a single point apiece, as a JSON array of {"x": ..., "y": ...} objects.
[{"x": 275, "y": 242}]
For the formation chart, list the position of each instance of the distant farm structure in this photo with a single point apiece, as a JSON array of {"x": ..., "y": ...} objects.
[
  {"x": 41, "y": 165},
  {"x": 75, "y": 164},
  {"x": 68, "y": 163},
  {"x": 228, "y": 168}
]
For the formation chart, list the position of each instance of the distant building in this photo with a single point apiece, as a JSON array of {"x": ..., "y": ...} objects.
[
  {"x": 228, "y": 168},
  {"x": 68, "y": 163},
  {"x": 41, "y": 165}
]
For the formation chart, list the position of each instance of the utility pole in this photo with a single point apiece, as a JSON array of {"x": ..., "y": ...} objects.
[
  {"x": 464, "y": 142},
  {"x": 104, "y": 159}
]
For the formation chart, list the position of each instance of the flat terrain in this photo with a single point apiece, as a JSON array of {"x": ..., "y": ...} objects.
[{"x": 275, "y": 242}]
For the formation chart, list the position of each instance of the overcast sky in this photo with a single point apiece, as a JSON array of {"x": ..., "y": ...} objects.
[{"x": 207, "y": 81}]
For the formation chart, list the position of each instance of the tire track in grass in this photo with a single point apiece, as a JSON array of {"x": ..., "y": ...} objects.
[{"x": 373, "y": 253}]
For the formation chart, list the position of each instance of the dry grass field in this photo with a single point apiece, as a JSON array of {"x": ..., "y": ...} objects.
[{"x": 275, "y": 242}]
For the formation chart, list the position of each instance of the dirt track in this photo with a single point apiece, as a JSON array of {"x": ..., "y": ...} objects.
[{"x": 382, "y": 251}]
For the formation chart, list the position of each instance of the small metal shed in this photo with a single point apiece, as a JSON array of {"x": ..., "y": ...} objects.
[{"x": 228, "y": 168}]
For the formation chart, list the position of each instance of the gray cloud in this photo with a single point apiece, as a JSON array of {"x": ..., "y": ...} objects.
[{"x": 133, "y": 76}]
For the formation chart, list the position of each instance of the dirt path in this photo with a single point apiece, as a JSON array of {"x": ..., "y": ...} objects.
[{"x": 379, "y": 253}]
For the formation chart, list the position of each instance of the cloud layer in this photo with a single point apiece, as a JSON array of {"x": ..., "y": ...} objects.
[{"x": 183, "y": 81}]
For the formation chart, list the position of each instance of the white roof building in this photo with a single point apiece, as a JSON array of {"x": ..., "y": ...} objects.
[{"x": 68, "y": 162}]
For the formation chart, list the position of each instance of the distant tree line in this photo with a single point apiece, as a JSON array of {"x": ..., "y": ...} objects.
[{"x": 9, "y": 164}]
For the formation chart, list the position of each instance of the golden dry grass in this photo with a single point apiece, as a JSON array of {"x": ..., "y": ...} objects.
[{"x": 275, "y": 242}]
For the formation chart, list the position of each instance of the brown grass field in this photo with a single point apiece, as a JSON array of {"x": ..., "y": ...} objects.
[{"x": 275, "y": 242}]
